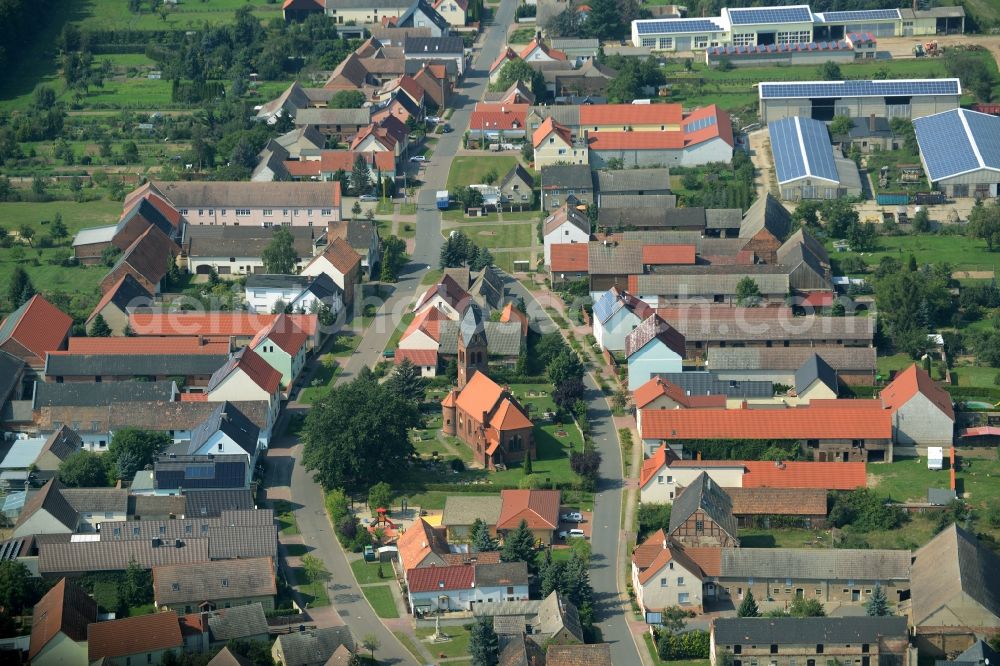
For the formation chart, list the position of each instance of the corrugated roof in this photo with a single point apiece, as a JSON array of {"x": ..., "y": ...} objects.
[
  {"x": 789, "y": 358},
  {"x": 633, "y": 181}
]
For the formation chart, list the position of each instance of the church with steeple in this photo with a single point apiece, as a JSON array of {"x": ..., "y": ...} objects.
[{"x": 481, "y": 413}]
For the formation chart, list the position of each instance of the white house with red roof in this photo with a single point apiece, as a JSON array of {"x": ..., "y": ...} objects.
[
  {"x": 651, "y": 348},
  {"x": 341, "y": 263},
  {"x": 283, "y": 345},
  {"x": 616, "y": 314},
  {"x": 663, "y": 575},
  {"x": 565, "y": 225},
  {"x": 922, "y": 411},
  {"x": 247, "y": 376},
  {"x": 447, "y": 297},
  {"x": 555, "y": 144},
  {"x": 497, "y": 65},
  {"x": 538, "y": 51},
  {"x": 498, "y": 121}
]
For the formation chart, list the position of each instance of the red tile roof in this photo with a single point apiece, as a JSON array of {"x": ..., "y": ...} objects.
[
  {"x": 418, "y": 357},
  {"x": 722, "y": 127},
  {"x": 133, "y": 635},
  {"x": 708, "y": 559},
  {"x": 332, "y": 160},
  {"x": 798, "y": 474},
  {"x": 791, "y": 423},
  {"x": 657, "y": 387},
  {"x": 510, "y": 313},
  {"x": 66, "y": 608},
  {"x": 569, "y": 258},
  {"x": 284, "y": 333},
  {"x": 417, "y": 542},
  {"x": 428, "y": 321},
  {"x": 452, "y": 293},
  {"x": 38, "y": 326},
  {"x": 113, "y": 291},
  {"x": 666, "y": 140},
  {"x": 343, "y": 257},
  {"x": 654, "y": 463},
  {"x": 655, "y": 552},
  {"x": 144, "y": 346},
  {"x": 630, "y": 114},
  {"x": 535, "y": 44},
  {"x": 911, "y": 381},
  {"x": 503, "y": 58},
  {"x": 212, "y": 324},
  {"x": 479, "y": 395},
  {"x": 548, "y": 126},
  {"x": 489, "y": 116},
  {"x": 818, "y": 299},
  {"x": 509, "y": 416},
  {"x": 659, "y": 255},
  {"x": 778, "y": 501},
  {"x": 429, "y": 579},
  {"x": 540, "y": 508},
  {"x": 258, "y": 370}
]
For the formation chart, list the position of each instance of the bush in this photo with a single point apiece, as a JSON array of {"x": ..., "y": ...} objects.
[
  {"x": 865, "y": 511},
  {"x": 689, "y": 645}
]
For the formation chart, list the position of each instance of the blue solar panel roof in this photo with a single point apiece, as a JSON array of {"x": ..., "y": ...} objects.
[
  {"x": 862, "y": 15},
  {"x": 604, "y": 306},
  {"x": 890, "y": 88},
  {"x": 756, "y": 15},
  {"x": 958, "y": 141},
  {"x": 801, "y": 147},
  {"x": 670, "y": 26},
  {"x": 701, "y": 123}
]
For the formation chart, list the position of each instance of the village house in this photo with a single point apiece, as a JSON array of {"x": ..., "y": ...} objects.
[
  {"x": 364, "y": 239},
  {"x": 338, "y": 125},
  {"x": 518, "y": 93},
  {"x": 553, "y": 620},
  {"x": 955, "y": 592},
  {"x": 143, "y": 209},
  {"x": 283, "y": 346},
  {"x": 555, "y": 144},
  {"x": 616, "y": 314},
  {"x": 147, "y": 260},
  {"x": 143, "y": 364},
  {"x": 59, "y": 625},
  {"x": 34, "y": 329},
  {"x": 809, "y": 640},
  {"x": 587, "y": 84},
  {"x": 853, "y": 365},
  {"x": 306, "y": 204},
  {"x": 816, "y": 380},
  {"x": 702, "y": 516},
  {"x": 664, "y": 575},
  {"x": 313, "y": 647},
  {"x": 517, "y": 187},
  {"x": 461, "y": 512},
  {"x": 340, "y": 262},
  {"x": 565, "y": 225},
  {"x": 497, "y": 123},
  {"x": 591, "y": 654},
  {"x": 295, "y": 293},
  {"x": 175, "y": 473},
  {"x": 437, "y": 50},
  {"x": 632, "y": 183},
  {"x": 921, "y": 410},
  {"x": 765, "y": 226},
  {"x": 227, "y": 431},
  {"x": 568, "y": 263},
  {"x": 538, "y": 508},
  {"x": 235, "y": 251},
  {"x": 566, "y": 184},
  {"x": 453, "y": 11},
  {"x": 238, "y": 327},
  {"x": 206, "y": 586},
  {"x": 142, "y": 639},
  {"x": 420, "y": 14},
  {"x": 246, "y": 377},
  {"x": 292, "y": 99},
  {"x": 651, "y": 348},
  {"x": 118, "y": 302},
  {"x": 460, "y": 587}
]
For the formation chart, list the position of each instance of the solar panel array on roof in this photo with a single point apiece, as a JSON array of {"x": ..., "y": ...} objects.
[
  {"x": 899, "y": 88},
  {"x": 668, "y": 26},
  {"x": 754, "y": 15},
  {"x": 862, "y": 15},
  {"x": 801, "y": 148},
  {"x": 701, "y": 123},
  {"x": 958, "y": 141}
]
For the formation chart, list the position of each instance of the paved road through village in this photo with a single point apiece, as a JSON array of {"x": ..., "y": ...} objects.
[{"x": 307, "y": 496}]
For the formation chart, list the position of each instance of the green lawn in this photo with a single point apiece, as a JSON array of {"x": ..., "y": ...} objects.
[
  {"x": 114, "y": 15},
  {"x": 553, "y": 444},
  {"x": 322, "y": 381},
  {"x": 434, "y": 499},
  {"x": 982, "y": 377},
  {"x": 458, "y": 646},
  {"x": 408, "y": 209},
  {"x": 380, "y": 597},
  {"x": 503, "y": 235},
  {"x": 521, "y": 216},
  {"x": 286, "y": 519},
  {"x": 505, "y": 260},
  {"x": 470, "y": 170},
  {"x": 75, "y": 216},
  {"x": 345, "y": 344},
  {"x": 962, "y": 252},
  {"x": 367, "y": 572},
  {"x": 432, "y": 276},
  {"x": 779, "y": 538},
  {"x": 407, "y": 642}
]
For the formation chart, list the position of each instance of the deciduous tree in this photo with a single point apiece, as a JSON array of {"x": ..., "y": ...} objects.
[
  {"x": 279, "y": 256},
  {"x": 83, "y": 469},
  {"x": 132, "y": 449}
]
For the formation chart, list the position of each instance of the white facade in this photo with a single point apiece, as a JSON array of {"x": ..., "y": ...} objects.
[
  {"x": 611, "y": 334},
  {"x": 664, "y": 486},
  {"x": 920, "y": 422},
  {"x": 222, "y": 444},
  {"x": 263, "y": 299},
  {"x": 239, "y": 386},
  {"x": 564, "y": 233},
  {"x": 671, "y": 585},
  {"x": 463, "y": 600}
]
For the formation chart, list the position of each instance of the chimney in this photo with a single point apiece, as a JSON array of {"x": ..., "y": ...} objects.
[{"x": 871, "y": 123}]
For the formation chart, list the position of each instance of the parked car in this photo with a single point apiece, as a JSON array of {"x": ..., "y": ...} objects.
[
  {"x": 368, "y": 197},
  {"x": 572, "y": 517},
  {"x": 434, "y": 119},
  {"x": 446, "y": 129},
  {"x": 574, "y": 533},
  {"x": 418, "y": 158}
]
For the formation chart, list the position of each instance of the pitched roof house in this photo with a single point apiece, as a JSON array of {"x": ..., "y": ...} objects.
[
  {"x": 421, "y": 545},
  {"x": 246, "y": 376},
  {"x": 652, "y": 348},
  {"x": 616, "y": 314},
  {"x": 313, "y": 647},
  {"x": 816, "y": 379},
  {"x": 702, "y": 515},
  {"x": 765, "y": 226},
  {"x": 138, "y": 639},
  {"x": 116, "y": 303},
  {"x": 59, "y": 625},
  {"x": 32, "y": 330},
  {"x": 538, "y": 508},
  {"x": 146, "y": 259},
  {"x": 663, "y": 575},
  {"x": 341, "y": 263},
  {"x": 922, "y": 412},
  {"x": 186, "y": 588},
  {"x": 566, "y": 225},
  {"x": 46, "y": 512}
]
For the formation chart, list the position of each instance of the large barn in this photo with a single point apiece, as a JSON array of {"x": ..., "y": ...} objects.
[
  {"x": 797, "y": 24},
  {"x": 805, "y": 163},
  {"x": 960, "y": 152},
  {"x": 822, "y": 100}
]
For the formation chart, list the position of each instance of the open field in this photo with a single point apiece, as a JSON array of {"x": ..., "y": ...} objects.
[
  {"x": 961, "y": 252},
  {"x": 470, "y": 170},
  {"x": 458, "y": 646},
  {"x": 502, "y": 235},
  {"x": 380, "y": 597},
  {"x": 114, "y": 15}
]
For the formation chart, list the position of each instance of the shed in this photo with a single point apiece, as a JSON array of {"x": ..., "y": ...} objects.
[{"x": 935, "y": 457}]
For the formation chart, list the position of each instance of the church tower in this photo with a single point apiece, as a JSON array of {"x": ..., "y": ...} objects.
[{"x": 472, "y": 351}]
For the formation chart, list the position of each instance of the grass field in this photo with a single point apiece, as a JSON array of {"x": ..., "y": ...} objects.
[
  {"x": 380, "y": 597},
  {"x": 469, "y": 170},
  {"x": 504, "y": 235},
  {"x": 458, "y": 646},
  {"x": 113, "y": 14},
  {"x": 553, "y": 444},
  {"x": 286, "y": 519},
  {"x": 367, "y": 572},
  {"x": 962, "y": 252},
  {"x": 407, "y": 641},
  {"x": 400, "y": 329}
]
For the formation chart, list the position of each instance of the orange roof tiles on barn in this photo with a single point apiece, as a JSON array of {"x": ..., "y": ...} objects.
[
  {"x": 144, "y": 346},
  {"x": 778, "y": 501},
  {"x": 253, "y": 366},
  {"x": 797, "y": 474},
  {"x": 418, "y": 357},
  {"x": 911, "y": 381},
  {"x": 133, "y": 636},
  {"x": 212, "y": 324},
  {"x": 595, "y": 115},
  {"x": 790, "y": 423},
  {"x": 665, "y": 140},
  {"x": 539, "y": 508},
  {"x": 659, "y": 255},
  {"x": 38, "y": 326},
  {"x": 429, "y": 579},
  {"x": 569, "y": 258},
  {"x": 707, "y": 558}
]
